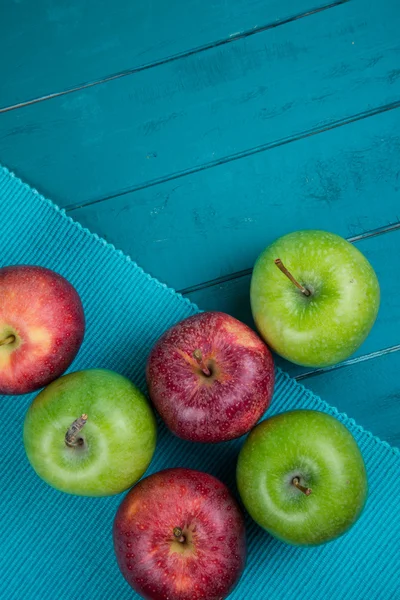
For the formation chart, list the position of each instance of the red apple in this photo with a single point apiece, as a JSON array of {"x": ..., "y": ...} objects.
[
  {"x": 41, "y": 327},
  {"x": 179, "y": 534},
  {"x": 210, "y": 377}
]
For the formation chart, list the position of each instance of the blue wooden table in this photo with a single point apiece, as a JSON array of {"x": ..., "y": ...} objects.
[{"x": 192, "y": 133}]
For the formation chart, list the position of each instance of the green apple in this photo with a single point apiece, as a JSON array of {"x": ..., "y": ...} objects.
[
  {"x": 314, "y": 297},
  {"x": 90, "y": 433},
  {"x": 302, "y": 477}
]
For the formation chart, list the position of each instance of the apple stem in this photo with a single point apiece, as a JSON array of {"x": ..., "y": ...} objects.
[
  {"x": 8, "y": 340},
  {"x": 199, "y": 359},
  {"x": 284, "y": 270},
  {"x": 178, "y": 534},
  {"x": 72, "y": 438},
  {"x": 296, "y": 483}
]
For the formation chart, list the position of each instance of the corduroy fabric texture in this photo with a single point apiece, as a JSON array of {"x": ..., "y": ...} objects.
[{"x": 58, "y": 547}]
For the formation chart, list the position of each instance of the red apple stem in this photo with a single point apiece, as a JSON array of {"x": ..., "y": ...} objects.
[
  {"x": 72, "y": 438},
  {"x": 179, "y": 535},
  {"x": 8, "y": 340},
  {"x": 296, "y": 482},
  {"x": 197, "y": 355},
  {"x": 284, "y": 270}
]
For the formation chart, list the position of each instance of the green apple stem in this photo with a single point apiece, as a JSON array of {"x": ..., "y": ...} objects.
[
  {"x": 72, "y": 437},
  {"x": 179, "y": 535},
  {"x": 296, "y": 483},
  {"x": 8, "y": 340},
  {"x": 199, "y": 359},
  {"x": 284, "y": 270}
]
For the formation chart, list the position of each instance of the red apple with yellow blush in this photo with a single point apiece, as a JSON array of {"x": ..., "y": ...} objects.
[
  {"x": 210, "y": 377},
  {"x": 42, "y": 325}
]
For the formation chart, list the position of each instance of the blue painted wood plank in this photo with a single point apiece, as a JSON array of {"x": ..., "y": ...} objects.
[
  {"x": 232, "y": 296},
  {"x": 367, "y": 391},
  {"x": 206, "y": 107},
  {"x": 202, "y": 109},
  {"x": 53, "y": 45},
  {"x": 215, "y": 222}
]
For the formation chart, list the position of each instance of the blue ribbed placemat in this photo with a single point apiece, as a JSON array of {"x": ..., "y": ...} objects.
[{"x": 54, "y": 546}]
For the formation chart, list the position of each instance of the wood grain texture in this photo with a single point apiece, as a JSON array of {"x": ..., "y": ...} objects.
[
  {"x": 368, "y": 391},
  {"x": 233, "y": 297},
  {"x": 227, "y": 133},
  {"x": 207, "y": 107},
  {"x": 57, "y": 44},
  {"x": 216, "y": 222}
]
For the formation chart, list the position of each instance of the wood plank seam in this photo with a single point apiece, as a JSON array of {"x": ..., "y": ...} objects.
[
  {"x": 127, "y": 72},
  {"x": 243, "y": 154},
  {"x": 245, "y": 272},
  {"x": 348, "y": 363}
]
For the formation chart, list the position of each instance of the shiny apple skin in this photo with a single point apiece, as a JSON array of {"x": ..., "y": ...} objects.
[
  {"x": 330, "y": 324},
  {"x": 117, "y": 441},
  {"x": 44, "y": 313},
  {"x": 210, "y": 560},
  {"x": 224, "y": 405},
  {"x": 318, "y": 450}
]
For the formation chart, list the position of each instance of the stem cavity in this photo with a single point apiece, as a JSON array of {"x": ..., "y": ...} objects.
[
  {"x": 197, "y": 355},
  {"x": 8, "y": 340},
  {"x": 296, "y": 483},
  {"x": 284, "y": 270},
  {"x": 179, "y": 535},
  {"x": 72, "y": 437}
]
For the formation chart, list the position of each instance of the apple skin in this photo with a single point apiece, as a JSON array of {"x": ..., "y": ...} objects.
[
  {"x": 119, "y": 437},
  {"x": 44, "y": 313},
  {"x": 210, "y": 560},
  {"x": 328, "y": 326},
  {"x": 322, "y": 453},
  {"x": 214, "y": 408}
]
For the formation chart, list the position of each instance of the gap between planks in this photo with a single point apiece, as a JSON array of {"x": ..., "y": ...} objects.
[
  {"x": 348, "y": 363},
  {"x": 243, "y": 154},
  {"x": 174, "y": 57},
  {"x": 245, "y": 272}
]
